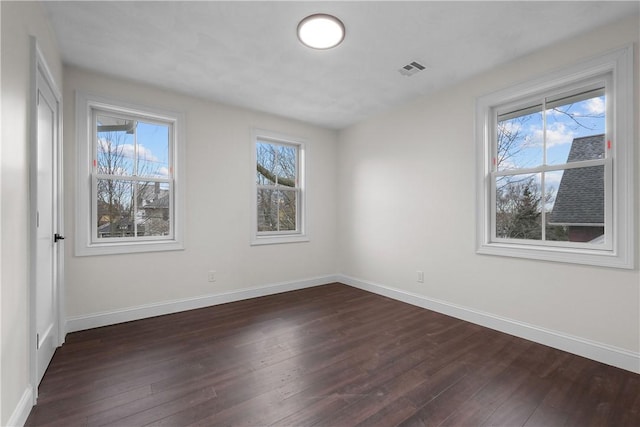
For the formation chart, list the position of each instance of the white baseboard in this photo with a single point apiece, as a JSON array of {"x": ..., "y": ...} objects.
[
  {"x": 600, "y": 352},
  {"x": 96, "y": 320},
  {"x": 23, "y": 409}
]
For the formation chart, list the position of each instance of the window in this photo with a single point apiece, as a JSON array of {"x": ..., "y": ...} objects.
[
  {"x": 555, "y": 166},
  {"x": 278, "y": 177},
  {"x": 128, "y": 196}
]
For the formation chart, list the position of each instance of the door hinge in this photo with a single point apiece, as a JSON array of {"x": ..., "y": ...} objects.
[{"x": 37, "y": 341}]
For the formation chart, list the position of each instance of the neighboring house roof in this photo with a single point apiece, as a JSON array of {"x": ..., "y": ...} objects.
[
  {"x": 153, "y": 197},
  {"x": 580, "y": 197},
  {"x": 160, "y": 202}
]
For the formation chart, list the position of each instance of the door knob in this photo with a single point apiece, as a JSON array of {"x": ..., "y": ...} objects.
[{"x": 57, "y": 237}]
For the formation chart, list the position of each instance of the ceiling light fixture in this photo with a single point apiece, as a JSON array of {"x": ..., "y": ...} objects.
[{"x": 321, "y": 31}]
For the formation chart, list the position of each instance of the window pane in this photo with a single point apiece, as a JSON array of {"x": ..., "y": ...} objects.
[
  {"x": 552, "y": 182},
  {"x": 276, "y": 164},
  {"x": 115, "y": 208},
  {"x": 576, "y": 127},
  {"x": 153, "y": 150},
  {"x": 154, "y": 205},
  {"x": 578, "y": 206},
  {"x": 518, "y": 207},
  {"x": 267, "y": 210},
  {"x": 115, "y": 145},
  {"x": 286, "y": 167},
  {"x": 266, "y": 164},
  {"x": 287, "y": 210},
  {"x": 520, "y": 142}
]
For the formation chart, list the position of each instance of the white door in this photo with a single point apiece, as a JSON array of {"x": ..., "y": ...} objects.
[{"x": 46, "y": 315}]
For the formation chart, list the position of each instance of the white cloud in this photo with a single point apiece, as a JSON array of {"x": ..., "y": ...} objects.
[
  {"x": 553, "y": 179},
  {"x": 149, "y": 164},
  {"x": 163, "y": 172},
  {"x": 146, "y": 154},
  {"x": 595, "y": 106},
  {"x": 510, "y": 126},
  {"x": 118, "y": 171},
  {"x": 105, "y": 145},
  {"x": 557, "y": 134},
  {"x": 128, "y": 150}
]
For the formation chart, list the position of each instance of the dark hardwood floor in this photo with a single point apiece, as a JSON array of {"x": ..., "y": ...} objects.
[{"x": 327, "y": 356}]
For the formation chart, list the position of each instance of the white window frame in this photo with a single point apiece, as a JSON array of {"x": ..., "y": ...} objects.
[
  {"x": 618, "y": 250},
  {"x": 277, "y": 237},
  {"x": 86, "y": 242}
]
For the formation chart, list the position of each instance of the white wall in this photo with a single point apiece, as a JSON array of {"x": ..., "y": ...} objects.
[
  {"x": 19, "y": 21},
  {"x": 218, "y": 196},
  {"x": 409, "y": 205},
  {"x": 405, "y": 203}
]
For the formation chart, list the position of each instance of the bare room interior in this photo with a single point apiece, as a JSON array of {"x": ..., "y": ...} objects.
[{"x": 271, "y": 213}]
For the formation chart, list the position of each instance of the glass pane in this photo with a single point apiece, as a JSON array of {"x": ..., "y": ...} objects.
[
  {"x": 153, "y": 150},
  {"x": 267, "y": 205},
  {"x": 287, "y": 210},
  {"x": 576, "y": 128},
  {"x": 286, "y": 167},
  {"x": 578, "y": 206},
  {"x": 520, "y": 142},
  {"x": 114, "y": 208},
  {"x": 552, "y": 182},
  {"x": 265, "y": 163},
  {"x": 518, "y": 207},
  {"x": 115, "y": 145},
  {"x": 153, "y": 216}
]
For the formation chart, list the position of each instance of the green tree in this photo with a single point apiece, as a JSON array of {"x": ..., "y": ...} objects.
[
  {"x": 518, "y": 210},
  {"x": 527, "y": 215}
]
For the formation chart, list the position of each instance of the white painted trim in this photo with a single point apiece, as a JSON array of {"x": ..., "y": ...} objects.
[
  {"x": 597, "y": 351},
  {"x": 84, "y": 244},
  {"x": 39, "y": 67},
  {"x": 23, "y": 408},
  {"x": 95, "y": 320},
  {"x": 302, "y": 234},
  {"x": 620, "y": 253}
]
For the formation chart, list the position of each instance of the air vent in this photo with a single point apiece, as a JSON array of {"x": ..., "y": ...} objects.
[{"x": 411, "y": 68}]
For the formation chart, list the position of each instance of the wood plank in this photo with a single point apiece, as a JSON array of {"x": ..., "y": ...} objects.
[{"x": 328, "y": 355}]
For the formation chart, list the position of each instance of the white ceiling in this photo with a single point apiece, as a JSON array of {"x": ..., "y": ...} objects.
[{"x": 247, "y": 53}]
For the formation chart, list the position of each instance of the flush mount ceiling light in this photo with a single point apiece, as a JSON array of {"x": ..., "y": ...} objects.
[{"x": 321, "y": 31}]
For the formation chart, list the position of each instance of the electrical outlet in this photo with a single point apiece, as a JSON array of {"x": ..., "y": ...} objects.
[
  {"x": 420, "y": 276},
  {"x": 212, "y": 276}
]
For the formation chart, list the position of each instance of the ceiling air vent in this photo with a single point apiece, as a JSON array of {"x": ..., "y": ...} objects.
[{"x": 411, "y": 68}]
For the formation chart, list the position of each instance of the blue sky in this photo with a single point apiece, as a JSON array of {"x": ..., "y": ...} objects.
[
  {"x": 565, "y": 123},
  {"x": 152, "y": 147}
]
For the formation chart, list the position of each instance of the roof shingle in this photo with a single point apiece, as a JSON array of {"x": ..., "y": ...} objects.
[{"x": 580, "y": 197}]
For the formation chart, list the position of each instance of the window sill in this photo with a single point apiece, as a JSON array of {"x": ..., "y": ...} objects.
[
  {"x": 116, "y": 248},
  {"x": 594, "y": 257},
  {"x": 275, "y": 239}
]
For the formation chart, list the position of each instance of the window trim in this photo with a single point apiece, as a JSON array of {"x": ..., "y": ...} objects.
[
  {"x": 619, "y": 64},
  {"x": 85, "y": 244},
  {"x": 277, "y": 237}
]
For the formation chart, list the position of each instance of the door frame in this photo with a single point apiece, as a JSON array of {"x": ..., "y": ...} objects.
[{"x": 39, "y": 66}]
